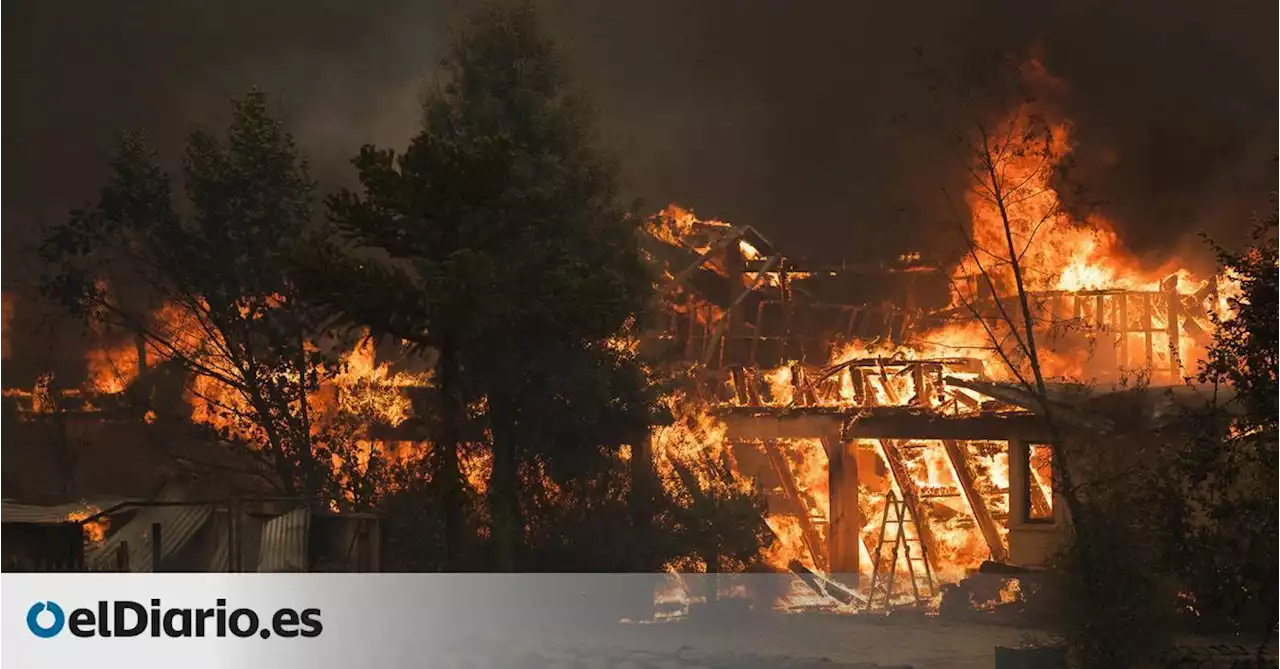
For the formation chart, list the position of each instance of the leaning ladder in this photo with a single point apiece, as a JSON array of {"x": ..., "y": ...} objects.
[{"x": 897, "y": 517}]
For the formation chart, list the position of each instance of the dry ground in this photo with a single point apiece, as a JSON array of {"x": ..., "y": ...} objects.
[{"x": 770, "y": 641}]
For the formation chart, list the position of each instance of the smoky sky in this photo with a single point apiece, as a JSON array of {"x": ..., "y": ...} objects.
[{"x": 783, "y": 115}]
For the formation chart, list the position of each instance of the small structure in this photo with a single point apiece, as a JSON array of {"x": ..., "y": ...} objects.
[
  {"x": 175, "y": 533},
  {"x": 248, "y": 535},
  {"x": 45, "y": 537}
]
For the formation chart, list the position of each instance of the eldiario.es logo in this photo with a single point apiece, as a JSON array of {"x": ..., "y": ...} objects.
[{"x": 124, "y": 618}]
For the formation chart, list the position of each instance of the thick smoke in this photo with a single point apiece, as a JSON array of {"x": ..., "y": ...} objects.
[{"x": 781, "y": 115}]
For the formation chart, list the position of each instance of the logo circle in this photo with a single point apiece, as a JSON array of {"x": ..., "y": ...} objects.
[{"x": 33, "y": 619}]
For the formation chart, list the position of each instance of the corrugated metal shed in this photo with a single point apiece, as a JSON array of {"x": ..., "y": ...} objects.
[
  {"x": 178, "y": 524},
  {"x": 14, "y": 512},
  {"x": 220, "y": 560},
  {"x": 284, "y": 542}
]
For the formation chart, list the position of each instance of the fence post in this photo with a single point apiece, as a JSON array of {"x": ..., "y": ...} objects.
[
  {"x": 233, "y": 536},
  {"x": 156, "y": 556}
]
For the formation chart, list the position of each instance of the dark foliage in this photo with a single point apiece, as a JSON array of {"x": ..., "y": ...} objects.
[
  {"x": 1226, "y": 539},
  {"x": 496, "y": 240},
  {"x": 200, "y": 280}
]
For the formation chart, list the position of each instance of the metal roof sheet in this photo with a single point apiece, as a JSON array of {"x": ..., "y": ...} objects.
[
  {"x": 15, "y": 512},
  {"x": 284, "y": 542},
  {"x": 178, "y": 524}
]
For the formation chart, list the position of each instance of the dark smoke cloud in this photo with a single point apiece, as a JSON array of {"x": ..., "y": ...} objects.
[
  {"x": 780, "y": 115},
  {"x": 772, "y": 113}
]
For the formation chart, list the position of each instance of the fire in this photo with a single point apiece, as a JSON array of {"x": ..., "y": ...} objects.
[
  {"x": 358, "y": 386},
  {"x": 111, "y": 370},
  {"x": 693, "y": 441},
  {"x": 95, "y": 531},
  {"x": 368, "y": 387},
  {"x": 781, "y": 388},
  {"x": 1014, "y": 169},
  {"x": 680, "y": 227}
]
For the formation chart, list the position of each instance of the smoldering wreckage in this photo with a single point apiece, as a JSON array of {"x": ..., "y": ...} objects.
[{"x": 902, "y": 463}]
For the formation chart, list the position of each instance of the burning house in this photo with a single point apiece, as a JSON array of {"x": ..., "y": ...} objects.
[{"x": 894, "y": 432}]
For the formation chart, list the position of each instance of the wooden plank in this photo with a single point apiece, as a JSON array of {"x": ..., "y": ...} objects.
[
  {"x": 740, "y": 385},
  {"x": 753, "y": 390},
  {"x": 807, "y": 532},
  {"x": 684, "y": 274},
  {"x": 977, "y": 503}
]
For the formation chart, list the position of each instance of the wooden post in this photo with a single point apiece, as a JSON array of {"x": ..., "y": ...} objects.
[
  {"x": 157, "y": 554},
  {"x": 1148, "y": 330},
  {"x": 739, "y": 384},
  {"x": 844, "y": 518},
  {"x": 1100, "y": 319},
  {"x": 1175, "y": 356},
  {"x": 786, "y": 310},
  {"x": 757, "y": 334},
  {"x": 1122, "y": 328},
  {"x": 917, "y": 380},
  {"x": 1026, "y": 498}
]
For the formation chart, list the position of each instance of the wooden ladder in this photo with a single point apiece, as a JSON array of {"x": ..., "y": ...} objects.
[{"x": 898, "y": 517}]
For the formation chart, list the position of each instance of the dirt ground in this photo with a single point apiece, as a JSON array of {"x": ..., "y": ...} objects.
[
  {"x": 767, "y": 641},
  {"x": 926, "y": 643}
]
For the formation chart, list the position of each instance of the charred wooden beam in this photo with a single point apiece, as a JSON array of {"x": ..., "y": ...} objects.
[
  {"x": 825, "y": 586},
  {"x": 889, "y": 424},
  {"x": 977, "y": 503},
  {"x": 723, "y": 325},
  {"x": 684, "y": 274},
  {"x": 792, "y": 491}
]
